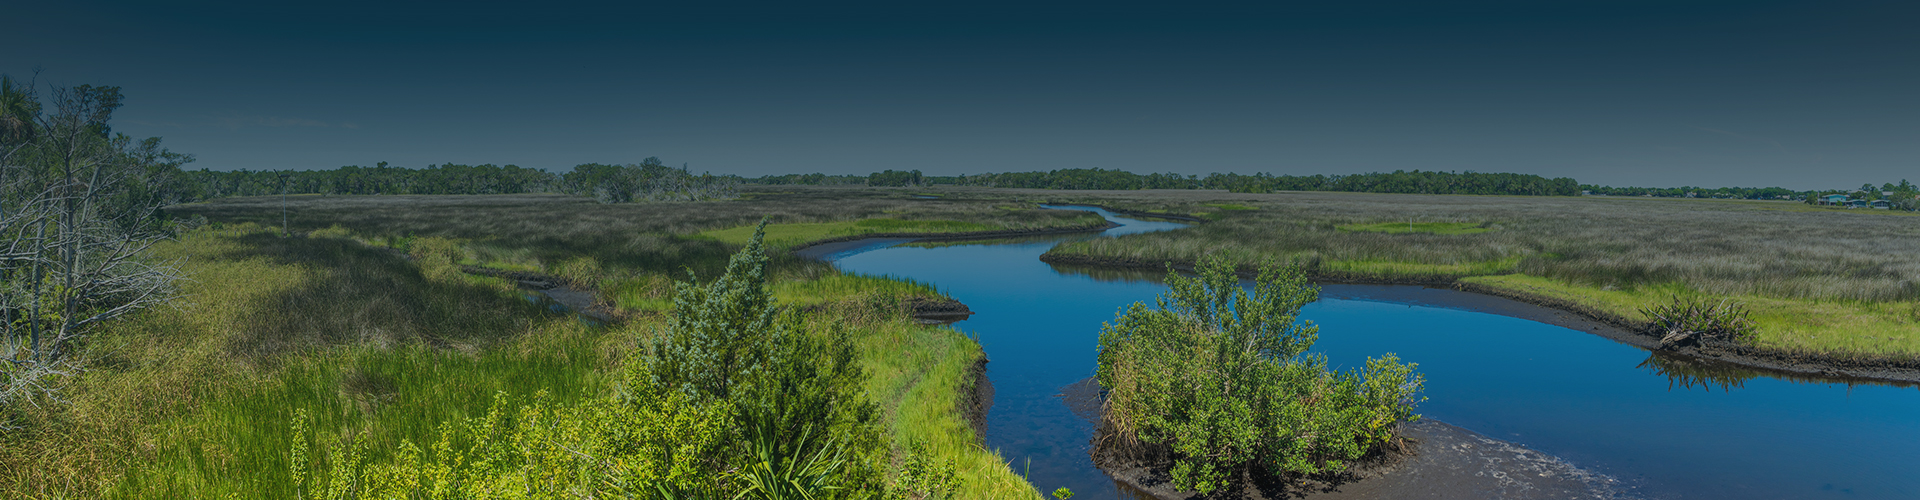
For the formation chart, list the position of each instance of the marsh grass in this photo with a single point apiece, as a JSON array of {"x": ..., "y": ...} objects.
[
  {"x": 193, "y": 401},
  {"x": 1837, "y": 282},
  {"x": 1828, "y": 327},
  {"x": 540, "y": 231},
  {"x": 368, "y": 325},
  {"x": 1416, "y": 227},
  {"x": 790, "y": 235}
]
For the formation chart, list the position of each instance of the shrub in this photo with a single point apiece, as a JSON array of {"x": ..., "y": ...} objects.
[
  {"x": 1688, "y": 317},
  {"x": 1217, "y": 379}
]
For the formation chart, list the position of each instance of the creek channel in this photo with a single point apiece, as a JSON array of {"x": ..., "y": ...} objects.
[{"x": 1628, "y": 422}]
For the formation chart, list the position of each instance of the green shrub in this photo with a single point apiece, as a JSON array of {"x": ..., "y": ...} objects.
[
  {"x": 1687, "y": 317},
  {"x": 1218, "y": 380}
]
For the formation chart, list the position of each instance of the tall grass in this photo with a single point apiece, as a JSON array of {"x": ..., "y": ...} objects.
[
  {"x": 1777, "y": 249},
  {"x": 193, "y": 401},
  {"x": 198, "y": 400},
  {"x": 1825, "y": 280}
]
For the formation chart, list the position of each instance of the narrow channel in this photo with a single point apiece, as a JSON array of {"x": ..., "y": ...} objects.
[{"x": 1650, "y": 427}]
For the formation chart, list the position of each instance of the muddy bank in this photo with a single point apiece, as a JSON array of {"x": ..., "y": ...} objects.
[
  {"x": 573, "y": 299},
  {"x": 976, "y": 399},
  {"x": 1568, "y": 314},
  {"x": 1444, "y": 463},
  {"x": 1436, "y": 461}
]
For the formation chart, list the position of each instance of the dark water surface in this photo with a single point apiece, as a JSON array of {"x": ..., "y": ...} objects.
[{"x": 1665, "y": 428}]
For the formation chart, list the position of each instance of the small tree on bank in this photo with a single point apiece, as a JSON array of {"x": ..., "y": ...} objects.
[{"x": 1215, "y": 382}]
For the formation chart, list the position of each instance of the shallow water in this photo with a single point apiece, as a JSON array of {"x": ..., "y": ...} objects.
[{"x": 1655, "y": 425}]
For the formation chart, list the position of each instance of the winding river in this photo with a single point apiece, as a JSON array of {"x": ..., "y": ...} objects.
[{"x": 1648, "y": 427}]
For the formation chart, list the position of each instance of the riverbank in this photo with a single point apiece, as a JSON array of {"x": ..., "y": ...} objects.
[
  {"x": 1621, "y": 320},
  {"x": 1441, "y": 462}
]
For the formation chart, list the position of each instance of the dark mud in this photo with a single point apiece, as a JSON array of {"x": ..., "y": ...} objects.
[
  {"x": 978, "y": 399},
  {"x": 576, "y": 300},
  {"x": 937, "y": 311},
  {"x": 1435, "y": 461},
  {"x": 1519, "y": 304}
]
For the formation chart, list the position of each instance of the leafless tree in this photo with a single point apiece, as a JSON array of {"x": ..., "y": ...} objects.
[{"x": 79, "y": 210}]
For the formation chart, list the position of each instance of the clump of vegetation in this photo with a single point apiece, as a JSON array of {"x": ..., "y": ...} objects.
[
  {"x": 736, "y": 399},
  {"x": 1691, "y": 319},
  {"x": 1216, "y": 381}
]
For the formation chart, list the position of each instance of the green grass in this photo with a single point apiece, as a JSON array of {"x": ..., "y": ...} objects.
[
  {"x": 790, "y": 235},
  {"x": 1840, "y": 328},
  {"x": 1416, "y": 227},
  {"x": 1821, "y": 280},
  {"x": 196, "y": 401},
  {"x": 920, "y": 375},
  {"x": 1390, "y": 269}
]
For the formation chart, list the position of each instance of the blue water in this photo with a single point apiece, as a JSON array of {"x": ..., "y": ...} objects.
[{"x": 1573, "y": 394}]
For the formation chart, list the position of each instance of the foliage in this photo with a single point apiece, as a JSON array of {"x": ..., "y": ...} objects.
[
  {"x": 895, "y": 178},
  {"x": 380, "y": 179},
  {"x": 735, "y": 399},
  {"x": 79, "y": 208},
  {"x": 650, "y": 180},
  {"x": 1724, "y": 320},
  {"x": 1219, "y": 379}
]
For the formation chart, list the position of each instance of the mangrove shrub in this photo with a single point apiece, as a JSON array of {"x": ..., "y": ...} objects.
[{"x": 1217, "y": 379}]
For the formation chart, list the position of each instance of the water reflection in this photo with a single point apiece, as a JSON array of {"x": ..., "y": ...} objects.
[{"x": 1686, "y": 372}]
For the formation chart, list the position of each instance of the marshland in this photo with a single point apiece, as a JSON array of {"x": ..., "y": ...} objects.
[{"x": 932, "y": 251}]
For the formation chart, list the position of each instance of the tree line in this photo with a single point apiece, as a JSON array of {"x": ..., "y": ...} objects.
[
  {"x": 1398, "y": 181},
  {"x": 649, "y": 180}
]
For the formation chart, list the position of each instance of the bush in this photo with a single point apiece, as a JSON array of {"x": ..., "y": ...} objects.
[
  {"x": 1217, "y": 380},
  {"x": 1686, "y": 318}
]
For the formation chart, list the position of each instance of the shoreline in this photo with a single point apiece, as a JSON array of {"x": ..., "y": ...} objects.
[{"x": 1597, "y": 322}]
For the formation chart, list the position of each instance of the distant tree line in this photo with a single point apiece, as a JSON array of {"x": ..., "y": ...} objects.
[
  {"x": 1768, "y": 193},
  {"x": 1398, "y": 181},
  {"x": 650, "y": 180}
]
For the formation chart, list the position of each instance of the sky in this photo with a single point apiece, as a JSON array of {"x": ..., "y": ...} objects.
[{"x": 1799, "y": 94}]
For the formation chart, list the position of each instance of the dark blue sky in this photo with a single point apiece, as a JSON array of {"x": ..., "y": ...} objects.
[{"x": 1798, "y": 94}]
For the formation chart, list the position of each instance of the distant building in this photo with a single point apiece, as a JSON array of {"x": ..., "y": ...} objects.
[
  {"x": 1834, "y": 199},
  {"x": 1856, "y": 203},
  {"x": 1881, "y": 205}
]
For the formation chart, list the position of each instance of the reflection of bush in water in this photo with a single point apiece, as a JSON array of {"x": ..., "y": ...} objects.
[{"x": 1690, "y": 372}]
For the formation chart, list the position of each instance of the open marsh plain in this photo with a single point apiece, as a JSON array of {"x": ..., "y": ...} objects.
[{"x": 1823, "y": 281}]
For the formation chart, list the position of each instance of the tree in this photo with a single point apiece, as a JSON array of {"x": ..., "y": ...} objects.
[{"x": 79, "y": 207}]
